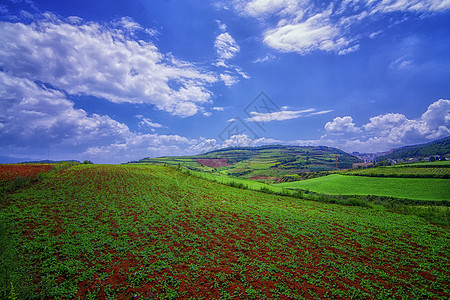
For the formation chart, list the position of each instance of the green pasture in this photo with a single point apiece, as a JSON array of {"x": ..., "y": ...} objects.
[{"x": 411, "y": 188}]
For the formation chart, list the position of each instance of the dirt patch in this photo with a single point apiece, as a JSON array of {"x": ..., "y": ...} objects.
[
  {"x": 262, "y": 177},
  {"x": 213, "y": 162}
]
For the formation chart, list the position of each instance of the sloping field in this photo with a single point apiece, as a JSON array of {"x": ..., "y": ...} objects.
[
  {"x": 10, "y": 171},
  {"x": 411, "y": 188},
  {"x": 424, "y": 170},
  {"x": 143, "y": 232}
]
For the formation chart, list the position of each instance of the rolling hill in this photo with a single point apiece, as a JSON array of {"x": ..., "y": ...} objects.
[
  {"x": 264, "y": 163},
  {"x": 438, "y": 147}
]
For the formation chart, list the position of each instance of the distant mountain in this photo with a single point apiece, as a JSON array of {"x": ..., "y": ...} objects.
[
  {"x": 266, "y": 163},
  {"x": 438, "y": 147},
  {"x": 46, "y": 161},
  {"x": 10, "y": 160}
]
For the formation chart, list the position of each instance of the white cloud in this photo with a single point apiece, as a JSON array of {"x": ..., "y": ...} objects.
[
  {"x": 401, "y": 63},
  {"x": 146, "y": 122},
  {"x": 226, "y": 47},
  {"x": 412, "y": 5},
  {"x": 32, "y": 115},
  {"x": 242, "y": 140},
  {"x": 242, "y": 73},
  {"x": 304, "y": 26},
  {"x": 321, "y": 112},
  {"x": 260, "y": 8},
  {"x": 340, "y": 125},
  {"x": 390, "y": 130},
  {"x": 35, "y": 120},
  {"x": 283, "y": 115},
  {"x": 222, "y": 26},
  {"x": 263, "y": 59},
  {"x": 315, "y": 33},
  {"x": 202, "y": 145},
  {"x": 228, "y": 79},
  {"x": 218, "y": 108},
  {"x": 104, "y": 61}
]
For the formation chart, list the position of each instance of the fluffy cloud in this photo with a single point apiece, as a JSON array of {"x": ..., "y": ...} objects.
[
  {"x": 44, "y": 120},
  {"x": 340, "y": 125},
  {"x": 87, "y": 58},
  {"x": 284, "y": 115},
  {"x": 304, "y": 26},
  {"x": 34, "y": 116},
  {"x": 242, "y": 140},
  {"x": 390, "y": 130},
  {"x": 226, "y": 48},
  {"x": 315, "y": 33}
]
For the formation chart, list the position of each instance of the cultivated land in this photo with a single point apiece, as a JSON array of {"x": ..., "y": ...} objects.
[
  {"x": 141, "y": 231},
  {"x": 438, "y": 169},
  {"x": 267, "y": 164},
  {"x": 411, "y": 188}
]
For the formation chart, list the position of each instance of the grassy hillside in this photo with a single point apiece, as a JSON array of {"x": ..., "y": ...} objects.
[
  {"x": 265, "y": 163},
  {"x": 438, "y": 169},
  {"x": 438, "y": 147},
  {"x": 143, "y": 231},
  {"x": 411, "y": 188}
]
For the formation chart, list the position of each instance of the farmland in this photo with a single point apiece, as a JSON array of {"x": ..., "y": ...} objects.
[
  {"x": 266, "y": 164},
  {"x": 143, "y": 231},
  {"x": 418, "y": 170},
  {"x": 411, "y": 188},
  {"x": 12, "y": 171}
]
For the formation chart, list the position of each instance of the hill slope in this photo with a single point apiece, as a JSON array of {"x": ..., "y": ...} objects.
[
  {"x": 268, "y": 163},
  {"x": 152, "y": 232},
  {"x": 438, "y": 147}
]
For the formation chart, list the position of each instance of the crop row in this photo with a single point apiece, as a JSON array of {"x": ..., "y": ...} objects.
[
  {"x": 402, "y": 172},
  {"x": 153, "y": 232}
]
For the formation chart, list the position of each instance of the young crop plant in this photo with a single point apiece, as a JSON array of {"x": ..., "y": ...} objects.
[{"x": 156, "y": 232}]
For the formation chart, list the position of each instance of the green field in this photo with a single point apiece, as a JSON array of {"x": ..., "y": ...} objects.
[
  {"x": 154, "y": 232},
  {"x": 411, "y": 188},
  {"x": 416, "y": 170}
]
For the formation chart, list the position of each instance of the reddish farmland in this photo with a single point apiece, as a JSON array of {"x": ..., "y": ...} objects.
[
  {"x": 153, "y": 232},
  {"x": 10, "y": 171},
  {"x": 213, "y": 162}
]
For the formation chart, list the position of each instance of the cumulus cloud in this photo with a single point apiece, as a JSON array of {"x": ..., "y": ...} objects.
[
  {"x": 242, "y": 140},
  {"x": 390, "y": 130},
  {"x": 304, "y": 26},
  {"x": 35, "y": 117},
  {"x": 283, "y": 115},
  {"x": 341, "y": 125},
  {"x": 88, "y": 58}
]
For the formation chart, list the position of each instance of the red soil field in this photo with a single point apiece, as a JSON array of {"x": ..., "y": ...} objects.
[
  {"x": 213, "y": 162},
  {"x": 9, "y": 172}
]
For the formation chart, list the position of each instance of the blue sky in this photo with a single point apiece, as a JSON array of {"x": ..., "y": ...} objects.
[{"x": 115, "y": 81}]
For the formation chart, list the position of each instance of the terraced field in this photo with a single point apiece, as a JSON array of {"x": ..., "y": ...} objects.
[{"x": 143, "y": 232}]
